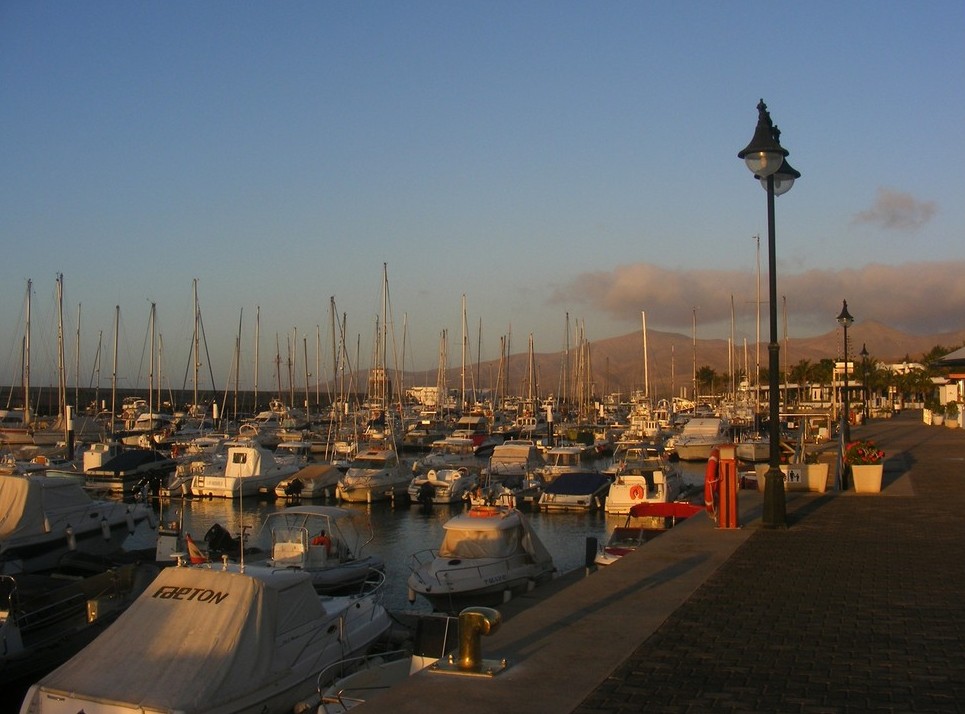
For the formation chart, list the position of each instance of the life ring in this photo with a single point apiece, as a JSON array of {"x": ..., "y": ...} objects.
[
  {"x": 483, "y": 511},
  {"x": 636, "y": 492},
  {"x": 712, "y": 481}
]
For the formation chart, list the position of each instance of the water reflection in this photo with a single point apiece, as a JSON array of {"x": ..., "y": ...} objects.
[{"x": 398, "y": 531}]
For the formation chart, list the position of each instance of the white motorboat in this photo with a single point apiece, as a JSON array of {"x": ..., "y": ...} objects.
[
  {"x": 654, "y": 480},
  {"x": 487, "y": 555},
  {"x": 565, "y": 459},
  {"x": 699, "y": 437},
  {"x": 43, "y": 516},
  {"x": 511, "y": 491},
  {"x": 249, "y": 469},
  {"x": 325, "y": 541},
  {"x": 310, "y": 482},
  {"x": 442, "y": 486},
  {"x": 214, "y": 640},
  {"x": 575, "y": 491},
  {"x": 516, "y": 457},
  {"x": 375, "y": 474},
  {"x": 449, "y": 453}
]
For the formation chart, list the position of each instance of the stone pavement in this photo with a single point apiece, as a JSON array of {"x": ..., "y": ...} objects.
[{"x": 857, "y": 606}]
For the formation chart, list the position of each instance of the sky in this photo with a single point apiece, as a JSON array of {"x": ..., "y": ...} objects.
[{"x": 554, "y": 169}]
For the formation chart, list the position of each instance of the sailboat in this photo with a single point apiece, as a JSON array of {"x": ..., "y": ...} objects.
[{"x": 377, "y": 473}]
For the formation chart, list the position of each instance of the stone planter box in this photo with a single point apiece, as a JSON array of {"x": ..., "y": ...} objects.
[
  {"x": 867, "y": 477},
  {"x": 798, "y": 477}
]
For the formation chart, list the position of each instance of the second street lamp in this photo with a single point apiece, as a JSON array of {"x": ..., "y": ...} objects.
[
  {"x": 765, "y": 157},
  {"x": 845, "y": 320},
  {"x": 865, "y": 412}
]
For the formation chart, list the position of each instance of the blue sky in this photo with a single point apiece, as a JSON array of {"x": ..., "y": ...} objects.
[{"x": 543, "y": 159}]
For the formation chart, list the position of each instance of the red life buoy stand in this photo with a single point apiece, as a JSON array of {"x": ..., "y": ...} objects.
[
  {"x": 712, "y": 482},
  {"x": 723, "y": 489}
]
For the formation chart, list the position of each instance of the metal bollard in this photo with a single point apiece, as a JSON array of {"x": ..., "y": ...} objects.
[{"x": 474, "y": 622}]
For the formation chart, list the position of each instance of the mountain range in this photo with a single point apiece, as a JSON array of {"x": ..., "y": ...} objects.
[{"x": 616, "y": 363}]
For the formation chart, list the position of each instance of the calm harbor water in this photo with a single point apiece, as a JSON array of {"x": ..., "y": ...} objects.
[{"x": 399, "y": 530}]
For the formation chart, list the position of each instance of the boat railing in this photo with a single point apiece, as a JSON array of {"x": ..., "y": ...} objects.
[
  {"x": 422, "y": 557},
  {"x": 344, "y": 667},
  {"x": 488, "y": 573},
  {"x": 374, "y": 585}
]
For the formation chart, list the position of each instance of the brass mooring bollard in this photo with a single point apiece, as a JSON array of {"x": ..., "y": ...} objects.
[{"x": 474, "y": 622}]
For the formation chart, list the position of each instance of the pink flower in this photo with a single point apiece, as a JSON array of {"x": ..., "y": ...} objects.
[{"x": 863, "y": 452}]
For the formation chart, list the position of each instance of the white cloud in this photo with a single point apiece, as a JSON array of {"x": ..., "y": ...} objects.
[{"x": 897, "y": 210}]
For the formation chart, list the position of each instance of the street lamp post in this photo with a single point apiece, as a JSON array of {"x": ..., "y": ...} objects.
[
  {"x": 864, "y": 380},
  {"x": 765, "y": 157},
  {"x": 845, "y": 320}
]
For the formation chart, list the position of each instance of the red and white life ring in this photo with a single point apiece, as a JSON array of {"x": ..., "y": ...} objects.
[
  {"x": 712, "y": 481},
  {"x": 636, "y": 492},
  {"x": 484, "y": 511}
]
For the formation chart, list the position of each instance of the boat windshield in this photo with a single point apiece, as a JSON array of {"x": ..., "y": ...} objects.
[
  {"x": 479, "y": 544},
  {"x": 368, "y": 464}
]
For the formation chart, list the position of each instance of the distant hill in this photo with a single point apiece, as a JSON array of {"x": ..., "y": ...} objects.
[{"x": 616, "y": 363}]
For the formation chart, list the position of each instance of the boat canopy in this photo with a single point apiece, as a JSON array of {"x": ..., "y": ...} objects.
[
  {"x": 576, "y": 484},
  {"x": 499, "y": 536},
  {"x": 200, "y": 638},
  {"x": 27, "y": 503},
  {"x": 246, "y": 461}
]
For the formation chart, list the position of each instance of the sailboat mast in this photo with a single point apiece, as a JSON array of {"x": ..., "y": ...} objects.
[
  {"x": 695, "y": 356},
  {"x": 335, "y": 346},
  {"x": 27, "y": 418},
  {"x": 117, "y": 320},
  {"x": 462, "y": 396},
  {"x": 757, "y": 372},
  {"x": 646, "y": 365},
  {"x": 257, "y": 340},
  {"x": 197, "y": 339},
  {"x": 77, "y": 364},
  {"x": 238, "y": 363},
  {"x": 308, "y": 412},
  {"x": 62, "y": 374},
  {"x": 731, "y": 356},
  {"x": 97, "y": 371}
]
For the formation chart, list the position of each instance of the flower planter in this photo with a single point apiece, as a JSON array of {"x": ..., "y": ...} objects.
[
  {"x": 937, "y": 419},
  {"x": 867, "y": 477}
]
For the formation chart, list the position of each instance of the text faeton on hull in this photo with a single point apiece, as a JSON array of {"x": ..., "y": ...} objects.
[{"x": 213, "y": 640}]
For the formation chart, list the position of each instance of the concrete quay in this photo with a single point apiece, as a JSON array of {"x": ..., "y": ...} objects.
[{"x": 857, "y": 606}]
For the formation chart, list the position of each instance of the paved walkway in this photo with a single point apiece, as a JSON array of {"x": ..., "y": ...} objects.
[{"x": 859, "y": 605}]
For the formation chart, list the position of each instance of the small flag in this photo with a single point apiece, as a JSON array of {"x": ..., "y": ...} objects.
[{"x": 194, "y": 552}]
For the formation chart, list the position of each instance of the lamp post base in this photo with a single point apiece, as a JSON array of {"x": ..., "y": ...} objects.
[{"x": 775, "y": 503}]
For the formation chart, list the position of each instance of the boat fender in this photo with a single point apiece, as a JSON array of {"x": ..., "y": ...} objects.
[
  {"x": 71, "y": 538},
  {"x": 712, "y": 482},
  {"x": 105, "y": 529},
  {"x": 636, "y": 492},
  {"x": 129, "y": 517}
]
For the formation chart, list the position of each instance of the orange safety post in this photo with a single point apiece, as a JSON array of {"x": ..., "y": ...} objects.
[{"x": 727, "y": 465}]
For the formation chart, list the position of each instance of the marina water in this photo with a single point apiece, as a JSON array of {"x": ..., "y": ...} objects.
[{"x": 401, "y": 529}]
